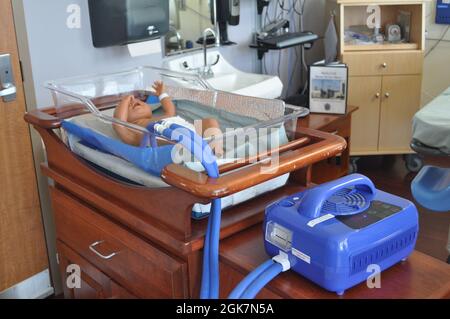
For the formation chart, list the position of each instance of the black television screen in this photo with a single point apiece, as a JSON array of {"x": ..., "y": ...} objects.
[{"x": 120, "y": 22}]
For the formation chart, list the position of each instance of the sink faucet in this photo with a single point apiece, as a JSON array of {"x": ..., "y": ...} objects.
[
  {"x": 206, "y": 71},
  {"x": 175, "y": 32}
]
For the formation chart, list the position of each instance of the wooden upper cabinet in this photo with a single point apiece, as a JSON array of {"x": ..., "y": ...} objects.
[
  {"x": 384, "y": 79},
  {"x": 354, "y": 13}
]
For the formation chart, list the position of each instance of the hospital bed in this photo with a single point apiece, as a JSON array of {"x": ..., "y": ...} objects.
[
  {"x": 431, "y": 141},
  {"x": 99, "y": 187},
  {"x": 431, "y": 130}
]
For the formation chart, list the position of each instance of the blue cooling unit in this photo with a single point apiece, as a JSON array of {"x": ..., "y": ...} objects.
[{"x": 334, "y": 232}]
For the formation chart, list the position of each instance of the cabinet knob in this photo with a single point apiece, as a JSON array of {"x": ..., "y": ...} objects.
[
  {"x": 387, "y": 95},
  {"x": 384, "y": 65},
  {"x": 377, "y": 95}
]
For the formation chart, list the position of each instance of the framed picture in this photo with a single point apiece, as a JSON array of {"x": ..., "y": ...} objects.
[{"x": 328, "y": 88}]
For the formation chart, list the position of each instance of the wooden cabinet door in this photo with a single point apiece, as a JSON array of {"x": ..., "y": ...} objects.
[
  {"x": 400, "y": 101},
  {"x": 365, "y": 92}
]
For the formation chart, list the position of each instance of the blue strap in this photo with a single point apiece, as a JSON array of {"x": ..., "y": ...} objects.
[{"x": 151, "y": 160}]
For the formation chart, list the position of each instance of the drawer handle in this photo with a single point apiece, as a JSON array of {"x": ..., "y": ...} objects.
[
  {"x": 92, "y": 248},
  {"x": 384, "y": 65}
]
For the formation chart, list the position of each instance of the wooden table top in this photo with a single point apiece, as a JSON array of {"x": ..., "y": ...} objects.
[
  {"x": 420, "y": 277},
  {"x": 317, "y": 121}
]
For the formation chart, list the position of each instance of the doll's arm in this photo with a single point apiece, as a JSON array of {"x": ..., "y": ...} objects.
[
  {"x": 121, "y": 113},
  {"x": 166, "y": 101}
]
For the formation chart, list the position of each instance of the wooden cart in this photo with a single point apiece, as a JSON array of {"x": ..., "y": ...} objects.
[{"x": 132, "y": 241}]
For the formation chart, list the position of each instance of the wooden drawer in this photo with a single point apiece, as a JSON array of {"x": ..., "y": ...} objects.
[
  {"x": 384, "y": 63},
  {"x": 93, "y": 284},
  {"x": 128, "y": 260}
]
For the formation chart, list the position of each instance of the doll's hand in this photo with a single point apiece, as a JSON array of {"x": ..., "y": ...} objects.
[
  {"x": 122, "y": 109},
  {"x": 159, "y": 88},
  {"x": 127, "y": 102}
]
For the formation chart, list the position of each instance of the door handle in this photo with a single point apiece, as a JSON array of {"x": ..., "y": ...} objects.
[
  {"x": 7, "y": 86},
  {"x": 8, "y": 91}
]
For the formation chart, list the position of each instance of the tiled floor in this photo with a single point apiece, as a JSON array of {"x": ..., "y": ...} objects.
[{"x": 389, "y": 174}]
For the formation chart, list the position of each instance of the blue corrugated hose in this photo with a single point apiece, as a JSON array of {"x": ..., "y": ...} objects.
[
  {"x": 216, "y": 216},
  {"x": 244, "y": 284},
  {"x": 205, "y": 287},
  {"x": 259, "y": 283},
  {"x": 201, "y": 150}
]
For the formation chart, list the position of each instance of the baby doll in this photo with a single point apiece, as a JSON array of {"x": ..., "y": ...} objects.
[{"x": 135, "y": 111}]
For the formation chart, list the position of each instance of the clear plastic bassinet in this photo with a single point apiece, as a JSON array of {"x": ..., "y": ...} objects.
[{"x": 250, "y": 129}]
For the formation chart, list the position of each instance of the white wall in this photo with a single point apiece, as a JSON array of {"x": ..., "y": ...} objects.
[
  {"x": 240, "y": 55},
  {"x": 315, "y": 20},
  {"x": 55, "y": 51},
  {"x": 437, "y": 63}
]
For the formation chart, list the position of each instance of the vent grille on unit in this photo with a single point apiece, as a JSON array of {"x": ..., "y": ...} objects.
[
  {"x": 346, "y": 201},
  {"x": 377, "y": 254}
]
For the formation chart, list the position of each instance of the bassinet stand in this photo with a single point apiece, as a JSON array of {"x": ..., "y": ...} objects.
[{"x": 137, "y": 242}]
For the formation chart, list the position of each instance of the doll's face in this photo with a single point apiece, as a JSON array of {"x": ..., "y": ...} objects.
[{"x": 138, "y": 110}]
